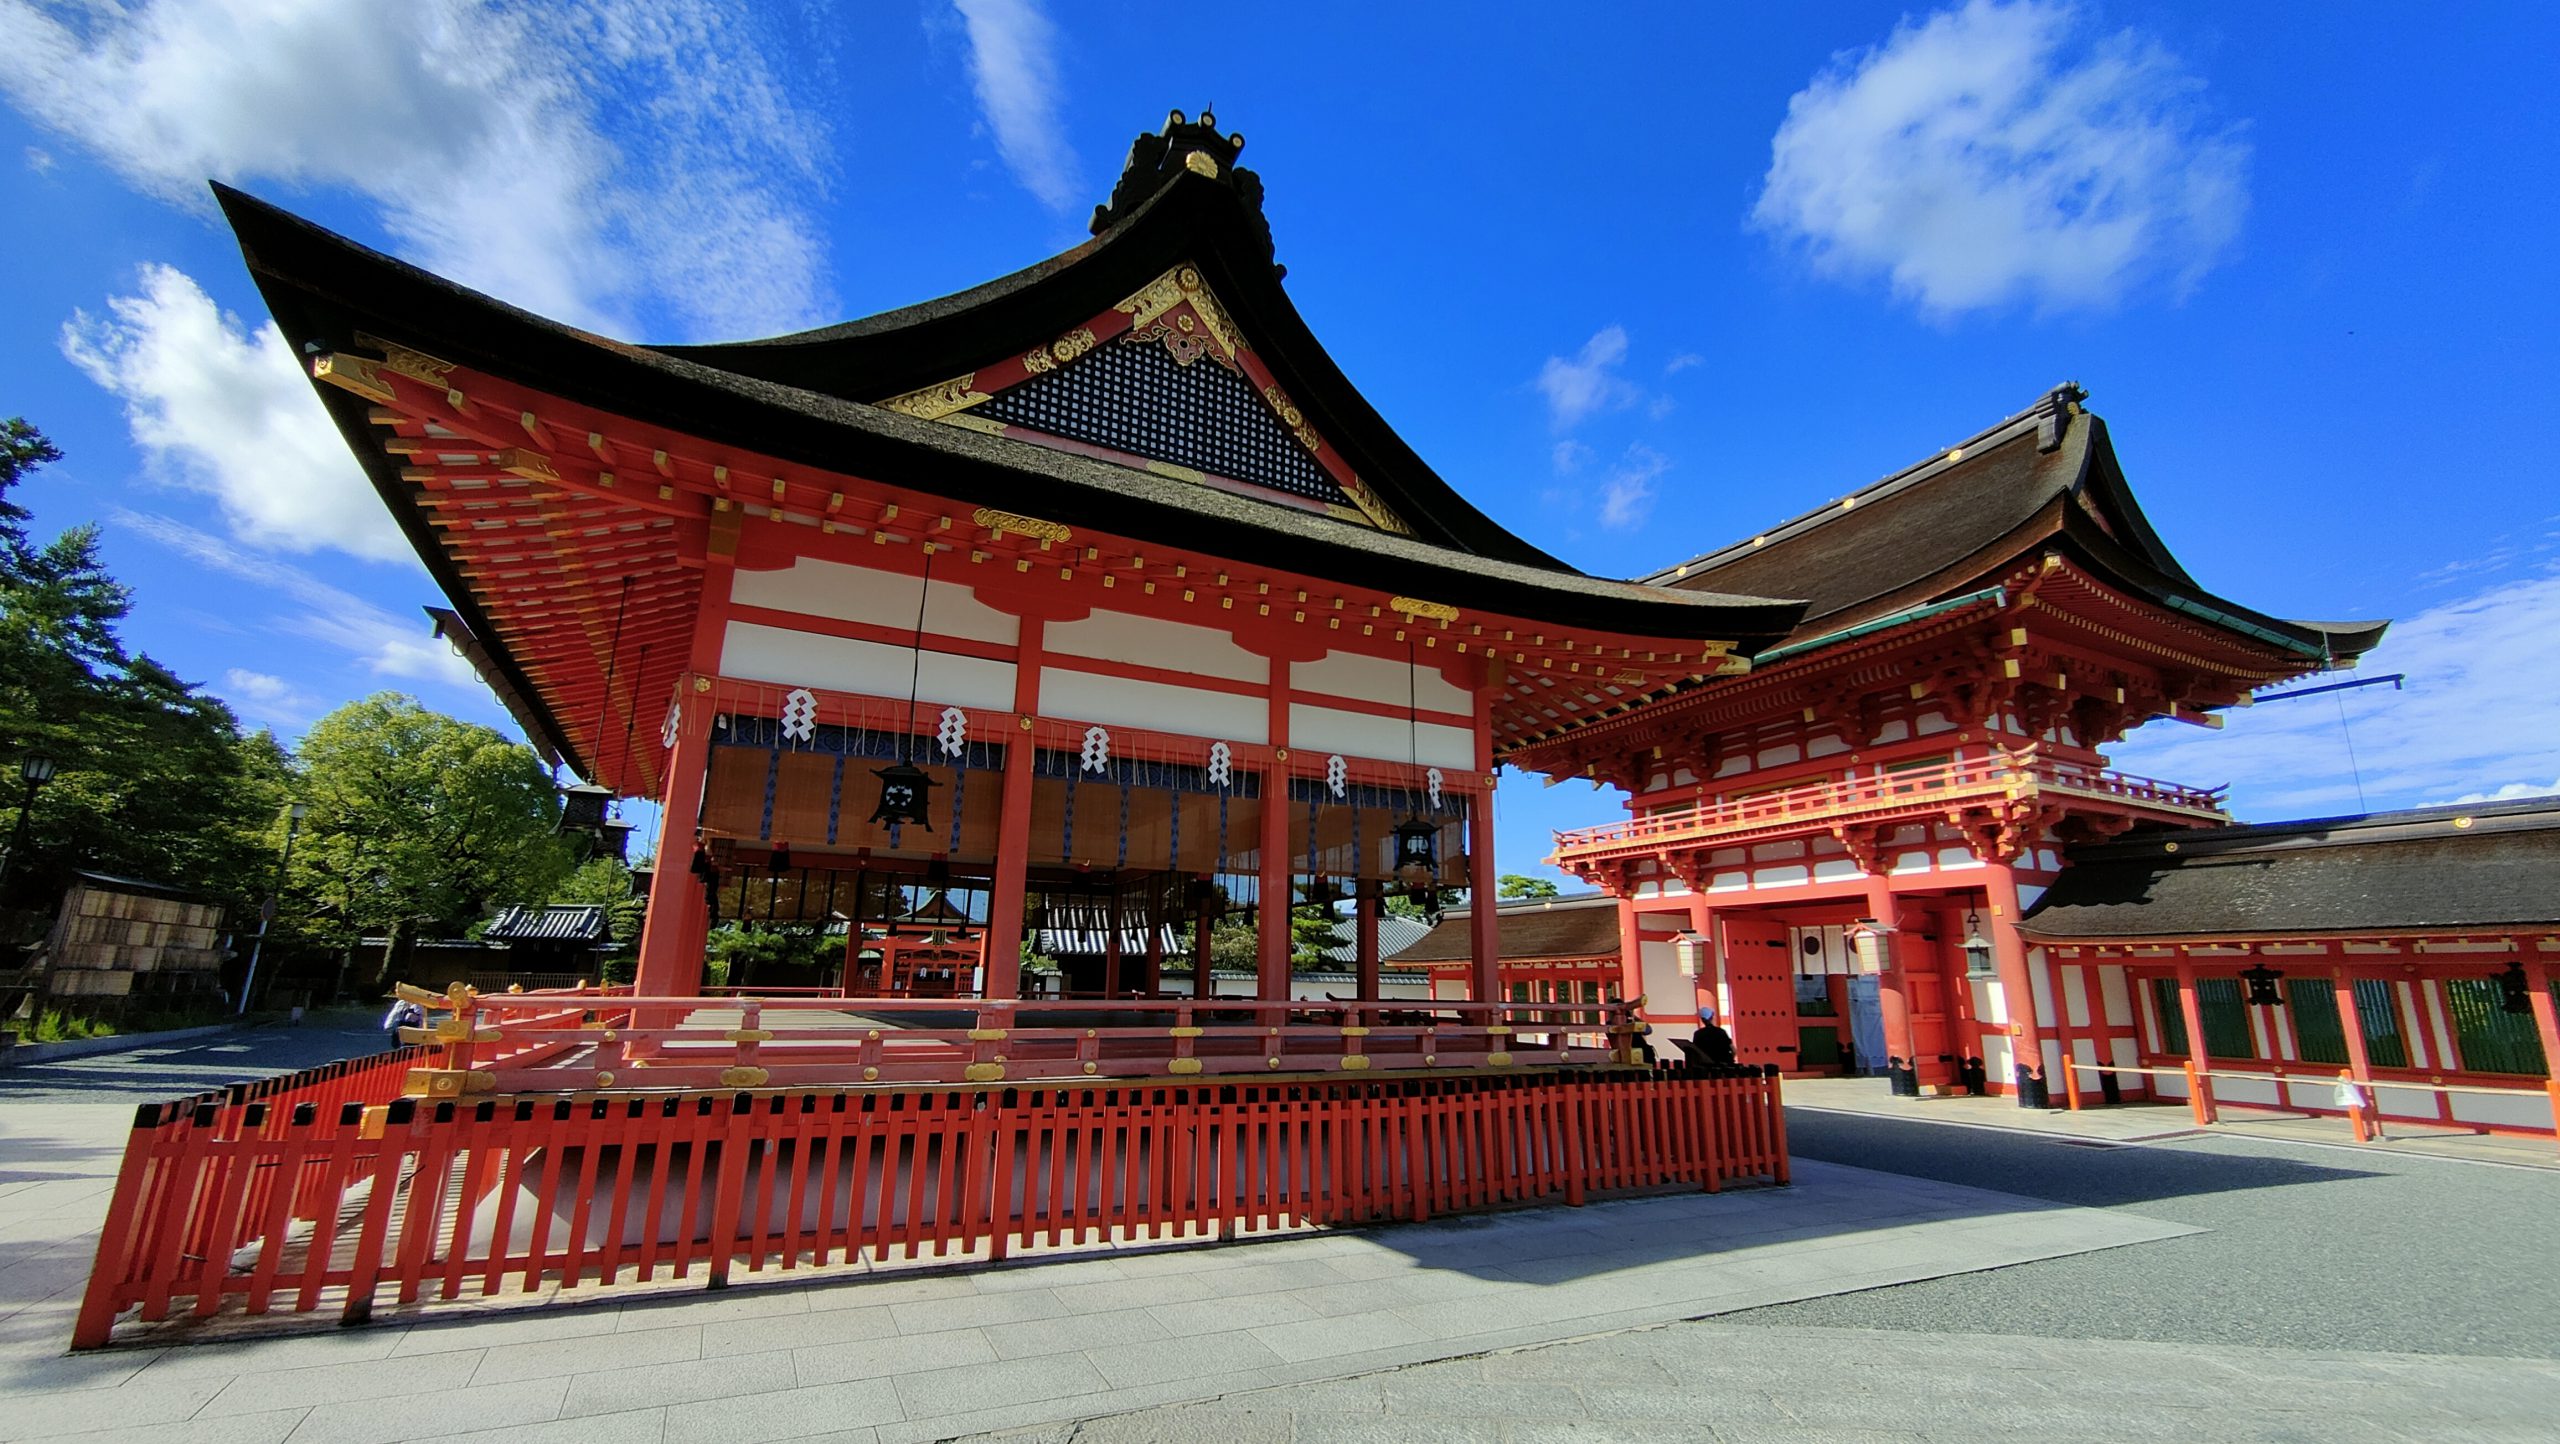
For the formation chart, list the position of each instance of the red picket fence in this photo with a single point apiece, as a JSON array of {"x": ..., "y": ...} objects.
[{"x": 280, "y": 1202}]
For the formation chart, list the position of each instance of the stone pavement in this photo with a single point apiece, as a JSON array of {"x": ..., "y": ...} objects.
[
  {"x": 2154, "y": 1122},
  {"x": 918, "y": 1356},
  {"x": 1723, "y": 1382}
]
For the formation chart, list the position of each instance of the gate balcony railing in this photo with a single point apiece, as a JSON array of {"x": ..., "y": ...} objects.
[{"x": 2020, "y": 776}]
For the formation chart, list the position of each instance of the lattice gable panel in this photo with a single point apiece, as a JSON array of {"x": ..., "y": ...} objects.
[{"x": 1162, "y": 379}]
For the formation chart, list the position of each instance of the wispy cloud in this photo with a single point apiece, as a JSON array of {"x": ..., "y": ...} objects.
[
  {"x": 1570, "y": 456},
  {"x": 1682, "y": 362},
  {"x": 383, "y": 643},
  {"x": 2006, "y": 152},
  {"x": 1013, "y": 62},
  {"x": 1626, "y": 493},
  {"x": 1588, "y": 383},
  {"x": 220, "y": 409},
  {"x": 2475, "y": 722},
  {"x": 265, "y": 697},
  {"x": 619, "y": 164}
]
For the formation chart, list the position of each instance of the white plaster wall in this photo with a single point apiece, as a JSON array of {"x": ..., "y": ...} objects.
[
  {"x": 2075, "y": 993},
  {"x": 1363, "y": 734},
  {"x": 887, "y": 599},
  {"x": 2039, "y": 982},
  {"x": 2244, "y": 1092},
  {"x": 2412, "y": 1102},
  {"x": 1378, "y": 679},
  {"x": 2530, "y": 1110},
  {"x": 1154, "y": 642},
  {"x": 757, "y": 653},
  {"x": 2115, "y": 990},
  {"x": 1157, "y": 706},
  {"x": 1665, "y": 990}
]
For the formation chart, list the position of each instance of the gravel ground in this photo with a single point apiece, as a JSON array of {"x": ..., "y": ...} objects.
[
  {"x": 152, "y": 1074},
  {"x": 2310, "y": 1248}
]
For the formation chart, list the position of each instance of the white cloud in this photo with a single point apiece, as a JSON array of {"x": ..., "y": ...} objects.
[
  {"x": 2512, "y": 792},
  {"x": 608, "y": 162},
  {"x": 1570, "y": 456},
  {"x": 1626, "y": 494},
  {"x": 264, "y": 697},
  {"x": 2005, "y": 152},
  {"x": 2477, "y": 713},
  {"x": 1013, "y": 63},
  {"x": 39, "y": 160},
  {"x": 385, "y": 644},
  {"x": 225, "y": 411},
  {"x": 1682, "y": 362},
  {"x": 1581, "y": 388}
]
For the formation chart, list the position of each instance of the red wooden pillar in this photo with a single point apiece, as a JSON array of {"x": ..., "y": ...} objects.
[
  {"x": 1154, "y": 977},
  {"x": 1202, "y": 985},
  {"x": 2546, "y": 1021},
  {"x": 1893, "y": 1003},
  {"x": 2200, "y": 1087},
  {"x": 1115, "y": 918},
  {"x": 673, "y": 929},
  {"x": 1630, "y": 952},
  {"x": 1364, "y": 933},
  {"x": 2359, "y": 1064},
  {"x": 1013, "y": 828},
  {"x": 1484, "y": 918},
  {"x": 2017, "y": 988},
  {"x": 1271, "y": 941}
]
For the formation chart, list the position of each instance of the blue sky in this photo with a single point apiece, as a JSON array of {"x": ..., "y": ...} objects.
[{"x": 1637, "y": 283}]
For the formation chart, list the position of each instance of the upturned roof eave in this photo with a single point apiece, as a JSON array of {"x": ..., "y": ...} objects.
[{"x": 323, "y": 288}]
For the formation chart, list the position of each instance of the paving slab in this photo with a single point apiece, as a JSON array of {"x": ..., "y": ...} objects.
[{"x": 887, "y": 1356}]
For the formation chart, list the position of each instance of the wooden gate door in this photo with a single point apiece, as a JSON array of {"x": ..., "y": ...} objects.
[{"x": 1760, "y": 987}]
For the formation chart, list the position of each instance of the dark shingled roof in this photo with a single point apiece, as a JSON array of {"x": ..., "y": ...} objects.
[
  {"x": 558, "y": 923},
  {"x": 2439, "y": 868},
  {"x": 1530, "y": 928},
  {"x": 809, "y": 399},
  {"x": 2044, "y": 479}
]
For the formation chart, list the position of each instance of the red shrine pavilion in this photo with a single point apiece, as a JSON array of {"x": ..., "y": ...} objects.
[
  {"x": 1894, "y": 844},
  {"x": 1097, "y": 588}
]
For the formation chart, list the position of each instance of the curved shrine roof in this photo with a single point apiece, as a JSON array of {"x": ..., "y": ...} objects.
[{"x": 2043, "y": 479}]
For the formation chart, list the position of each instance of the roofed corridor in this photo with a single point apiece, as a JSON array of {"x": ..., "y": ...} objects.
[{"x": 2019, "y": 776}]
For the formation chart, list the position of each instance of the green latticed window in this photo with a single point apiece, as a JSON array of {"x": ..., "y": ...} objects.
[
  {"x": 2322, "y": 1036},
  {"x": 2490, "y": 1039},
  {"x": 2173, "y": 1021},
  {"x": 2226, "y": 1018}
]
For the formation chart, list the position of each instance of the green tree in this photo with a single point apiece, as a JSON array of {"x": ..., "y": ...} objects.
[
  {"x": 420, "y": 823},
  {"x": 154, "y": 778},
  {"x": 1512, "y": 884},
  {"x": 1398, "y": 905},
  {"x": 606, "y": 883}
]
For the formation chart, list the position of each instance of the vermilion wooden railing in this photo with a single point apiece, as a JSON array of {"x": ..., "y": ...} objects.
[
  {"x": 565, "y": 1039},
  {"x": 295, "y": 1203},
  {"x": 1923, "y": 787}
]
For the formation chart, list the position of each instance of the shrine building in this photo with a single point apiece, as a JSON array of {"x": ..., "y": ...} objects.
[
  {"x": 1096, "y": 591},
  {"x": 1894, "y": 844}
]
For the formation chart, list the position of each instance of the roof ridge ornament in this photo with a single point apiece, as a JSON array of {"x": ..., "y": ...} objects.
[{"x": 1184, "y": 146}]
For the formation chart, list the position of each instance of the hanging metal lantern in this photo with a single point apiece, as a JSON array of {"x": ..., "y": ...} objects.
[
  {"x": 582, "y": 807},
  {"x": 1417, "y": 852},
  {"x": 2515, "y": 995},
  {"x": 2261, "y": 981},
  {"x": 1977, "y": 949},
  {"x": 1321, "y": 892},
  {"x": 905, "y": 796},
  {"x": 779, "y": 861}
]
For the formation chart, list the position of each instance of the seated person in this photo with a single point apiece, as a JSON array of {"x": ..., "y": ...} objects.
[{"x": 1711, "y": 1046}]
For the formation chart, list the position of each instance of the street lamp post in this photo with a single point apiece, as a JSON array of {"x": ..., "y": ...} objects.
[
  {"x": 267, "y": 915},
  {"x": 35, "y": 769}
]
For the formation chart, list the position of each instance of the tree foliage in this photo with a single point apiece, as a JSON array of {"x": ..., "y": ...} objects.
[
  {"x": 420, "y": 823},
  {"x": 1512, "y": 884},
  {"x": 154, "y": 778}
]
